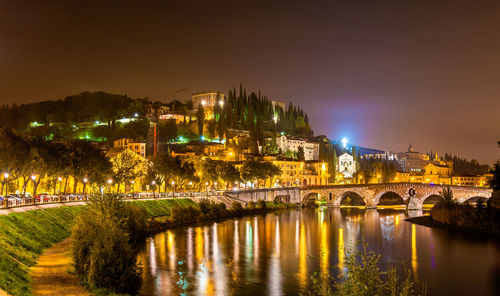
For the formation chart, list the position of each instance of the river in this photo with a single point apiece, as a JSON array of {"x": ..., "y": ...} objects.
[{"x": 275, "y": 254}]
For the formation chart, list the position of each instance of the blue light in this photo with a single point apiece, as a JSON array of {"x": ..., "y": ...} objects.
[{"x": 202, "y": 138}]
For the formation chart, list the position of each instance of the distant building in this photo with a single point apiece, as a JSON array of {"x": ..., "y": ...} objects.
[
  {"x": 412, "y": 161},
  {"x": 207, "y": 99},
  {"x": 311, "y": 149},
  {"x": 137, "y": 147},
  {"x": 299, "y": 173},
  {"x": 204, "y": 147},
  {"x": 470, "y": 180},
  {"x": 385, "y": 155},
  {"x": 346, "y": 165}
]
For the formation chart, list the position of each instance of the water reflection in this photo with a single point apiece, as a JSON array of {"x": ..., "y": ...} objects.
[{"x": 275, "y": 254}]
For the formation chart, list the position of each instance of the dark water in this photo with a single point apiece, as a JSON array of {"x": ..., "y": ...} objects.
[{"x": 274, "y": 254}]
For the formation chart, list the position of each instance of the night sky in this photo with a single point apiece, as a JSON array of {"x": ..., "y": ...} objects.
[{"x": 382, "y": 73}]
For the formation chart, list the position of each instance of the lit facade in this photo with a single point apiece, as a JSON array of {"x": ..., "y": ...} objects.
[
  {"x": 311, "y": 149},
  {"x": 346, "y": 165}
]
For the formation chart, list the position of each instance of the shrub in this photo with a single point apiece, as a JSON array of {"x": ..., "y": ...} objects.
[
  {"x": 181, "y": 215},
  {"x": 236, "y": 206},
  {"x": 364, "y": 278},
  {"x": 102, "y": 254},
  {"x": 204, "y": 205},
  {"x": 261, "y": 204},
  {"x": 251, "y": 205}
]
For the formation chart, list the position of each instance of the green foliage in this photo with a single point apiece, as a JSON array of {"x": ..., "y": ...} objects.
[
  {"x": 253, "y": 170},
  {"x": 447, "y": 196},
  {"x": 261, "y": 204},
  {"x": 102, "y": 252},
  {"x": 251, "y": 205},
  {"x": 300, "y": 154},
  {"x": 23, "y": 237},
  {"x": 236, "y": 206},
  {"x": 364, "y": 278},
  {"x": 161, "y": 207},
  {"x": 183, "y": 215}
]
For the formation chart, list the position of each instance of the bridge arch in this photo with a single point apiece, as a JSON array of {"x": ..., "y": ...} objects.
[
  {"x": 475, "y": 199},
  {"x": 311, "y": 198},
  {"x": 388, "y": 198},
  {"x": 350, "y": 198}
]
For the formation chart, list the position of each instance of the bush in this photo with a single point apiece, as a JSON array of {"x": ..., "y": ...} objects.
[
  {"x": 236, "y": 206},
  {"x": 466, "y": 216},
  {"x": 205, "y": 206},
  {"x": 364, "y": 278},
  {"x": 182, "y": 215},
  {"x": 102, "y": 254},
  {"x": 261, "y": 204},
  {"x": 251, "y": 205}
]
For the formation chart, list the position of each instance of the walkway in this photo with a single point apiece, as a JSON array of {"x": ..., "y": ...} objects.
[
  {"x": 51, "y": 275},
  {"x": 7, "y": 211}
]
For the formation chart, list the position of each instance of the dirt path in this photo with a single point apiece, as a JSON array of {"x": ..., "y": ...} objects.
[{"x": 51, "y": 275}]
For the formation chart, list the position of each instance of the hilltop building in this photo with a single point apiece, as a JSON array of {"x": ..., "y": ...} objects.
[
  {"x": 311, "y": 149},
  {"x": 346, "y": 165}
]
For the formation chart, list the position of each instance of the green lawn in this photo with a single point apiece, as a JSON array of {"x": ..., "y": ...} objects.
[{"x": 24, "y": 236}]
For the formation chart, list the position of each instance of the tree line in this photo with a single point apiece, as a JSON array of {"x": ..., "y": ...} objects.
[{"x": 57, "y": 163}]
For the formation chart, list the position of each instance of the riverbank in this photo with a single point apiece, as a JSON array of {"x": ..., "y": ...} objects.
[
  {"x": 24, "y": 236},
  {"x": 429, "y": 222}
]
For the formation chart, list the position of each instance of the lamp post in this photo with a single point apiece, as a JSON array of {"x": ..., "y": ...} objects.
[
  {"x": 173, "y": 188},
  {"x": 33, "y": 179},
  {"x": 110, "y": 181},
  {"x": 5, "y": 183},
  {"x": 85, "y": 180},
  {"x": 152, "y": 187}
]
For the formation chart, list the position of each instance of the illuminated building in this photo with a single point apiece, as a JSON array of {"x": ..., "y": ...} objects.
[
  {"x": 311, "y": 149},
  {"x": 346, "y": 165},
  {"x": 470, "y": 180},
  {"x": 207, "y": 99},
  {"x": 137, "y": 147},
  {"x": 299, "y": 173},
  {"x": 412, "y": 161}
]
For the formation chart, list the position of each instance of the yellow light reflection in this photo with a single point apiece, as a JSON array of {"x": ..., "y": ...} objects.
[
  {"x": 302, "y": 258},
  {"x": 199, "y": 244},
  {"x": 341, "y": 249},
  {"x": 414, "y": 263},
  {"x": 324, "y": 251},
  {"x": 171, "y": 249}
]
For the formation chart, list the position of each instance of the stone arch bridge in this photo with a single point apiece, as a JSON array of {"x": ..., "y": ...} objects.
[{"x": 370, "y": 193}]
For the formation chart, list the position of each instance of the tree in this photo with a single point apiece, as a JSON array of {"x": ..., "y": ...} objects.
[
  {"x": 255, "y": 171},
  {"x": 229, "y": 174},
  {"x": 300, "y": 154},
  {"x": 125, "y": 167},
  {"x": 447, "y": 195},
  {"x": 200, "y": 118},
  {"x": 495, "y": 181}
]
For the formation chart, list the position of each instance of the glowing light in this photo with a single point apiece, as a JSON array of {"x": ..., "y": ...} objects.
[
  {"x": 110, "y": 181},
  {"x": 203, "y": 102},
  {"x": 275, "y": 118},
  {"x": 173, "y": 182},
  {"x": 33, "y": 177},
  {"x": 414, "y": 263},
  {"x": 202, "y": 138},
  {"x": 136, "y": 115},
  {"x": 6, "y": 175},
  {"x": 59, "y": 179},
  {"x": 344, "y": 142},
  {"x": 153, "y": 182},
  {"x": 85, "y": 180},
  {"x": 221, "y": 103}
]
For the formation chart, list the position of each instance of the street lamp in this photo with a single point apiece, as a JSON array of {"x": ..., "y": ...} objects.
[
  {"x": 221, "y": 103},
  {"x": 173, "y": 187},
  {"x": 85, "y": 180},
  {"x": 4, "y": 183},
  {"x": 152, "y": 187}
]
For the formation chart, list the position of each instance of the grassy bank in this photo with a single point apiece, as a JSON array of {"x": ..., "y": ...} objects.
[{"x": 23, "y": 237}]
